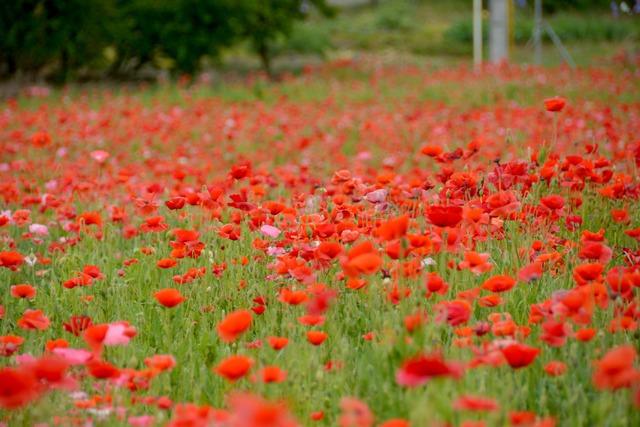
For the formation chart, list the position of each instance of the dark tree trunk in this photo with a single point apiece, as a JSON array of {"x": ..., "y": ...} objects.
[
  {"x": 64, "y": 66},
  {"x": 265, "y": 59},
  {"x": 12, "y": 65}
]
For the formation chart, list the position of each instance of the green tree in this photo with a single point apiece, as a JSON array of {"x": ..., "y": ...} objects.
[
  {"x": 264, "y": 21},
  {"x": 182, "y": 31},
  {"x": 61, "y": 34},
  {"x": 552, "y": 6},
  {"x": 66, "y": 36}
]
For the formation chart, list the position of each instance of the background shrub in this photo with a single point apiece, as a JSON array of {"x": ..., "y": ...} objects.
[
  {"x": 569, "y": 27},
  {"x": 62, "y": 38}
]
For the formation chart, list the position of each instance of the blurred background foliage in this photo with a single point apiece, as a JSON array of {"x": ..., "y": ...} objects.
[
  {"x": 68, "y": 38},
  {"x": 63, "y": 40}
]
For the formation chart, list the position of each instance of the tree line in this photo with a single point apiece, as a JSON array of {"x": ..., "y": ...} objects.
[{"x": 62, "y": 39}]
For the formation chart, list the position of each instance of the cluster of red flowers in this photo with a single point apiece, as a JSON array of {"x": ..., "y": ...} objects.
[{"x": 472, "y": 247}]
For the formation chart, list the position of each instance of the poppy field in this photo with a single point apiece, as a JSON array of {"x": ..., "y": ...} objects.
[{"x": 360, "y": 245}]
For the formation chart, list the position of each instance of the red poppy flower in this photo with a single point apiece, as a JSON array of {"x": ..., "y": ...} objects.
[
  {"x": 444, "y": 216},
  {"x": 248, "y": 410},
  {"x": 456, "y": 312},
  {"x": 530, "y": 272},
  {"x": 615, "y": 370},
  {"x": 9, "y": 344},
  {"x": 90, "y": 218},
  {"x": 273, "y": 374},
  {"x": 167, "y": 263},
  {"x": 522, "y": 418},
  {"x": 490, "y": 301},
  {"x": 229, "y": 231},
  {"x": 422, "y": 368},
  {"x": 153, "y": 224},
  {"x": 234, "y": 325},
  {"x": 431, "y": 150},
  {"x": 367, "y": 263},
  {"x": 234, "y": 367},
  {"x": 77, "y": 324},
  {"x": 477, "y": 263},
  {"x": 175, "y": 203},
  {"x": 552, "y": 202},
  {"x": 555, "y": 368},
  {"x": 585, "y": 273},
  {"x": 633, "y": 233},
  {"x": 95, "y": 335},
  {"x": 621, "y": 216},
  {"x": 393, "y": 228},
  {"x": 102, "y": 370},
  {"x": 316, "y": 337},
  {"x": 317, "y": 415},
  {"x": 362, "y": 259},
  {"x": 169, "y": 297},
  {"x": 293, "y": 297},
  {"x": 554, "y": 104},
  {"x": 596, "y": 251},
  {"x": 355, "y": 413},
  {"x": 23, "y": 291},
  {"x": 50, "y": 369},
  {"x": 11, "y": 259},
  {"x": 475, "y": 403},
  {"x": 18, "y": 387},
  {"x": 327, "y": 251},
  {"x": 311, "y": 320},
  {"x": 436, "y": 284},
  {"x": 160, "y": 362},
  {"x": 396, "y": 422},
  {"x": 414, "y": 321},
  {"x": 277, "y": 343},
  {"x": 586, "y": 334},
  {"x": 40, "y": 139},
  {"x": 519, "y": 355},
  {"x": 34, "y": 319},
  {"x": 51, "y": 345},
  {"x": 499, "y": 283},
  {"x": 93, "y": 271}
]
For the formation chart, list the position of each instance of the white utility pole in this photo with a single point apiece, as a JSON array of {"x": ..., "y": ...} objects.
[
  {"x": 537, "y": 33},
  {"x": 477, "y": 33},
  {"x": 499, "y": 30}
]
